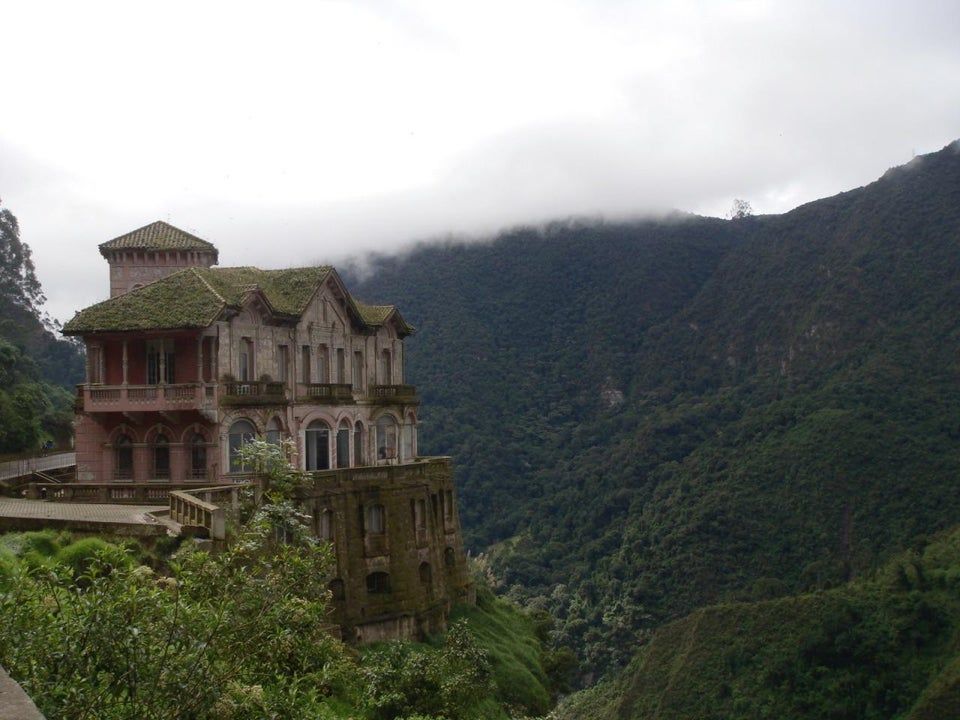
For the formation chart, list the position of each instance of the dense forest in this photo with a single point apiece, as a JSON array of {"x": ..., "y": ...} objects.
[
  {"x": 36, "y": 365},
  {"x": 880, "y": 647},
  {"x": 649, "y": 417}
]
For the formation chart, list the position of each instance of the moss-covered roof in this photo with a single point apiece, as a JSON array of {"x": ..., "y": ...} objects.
[
  {"x": 288, "y": 291},
  {"x": 180, "y": 300},
  {"x": 196, "y": 297},
  {"x": 376, "y": 315},
  {"x": 157, "y": 236}
]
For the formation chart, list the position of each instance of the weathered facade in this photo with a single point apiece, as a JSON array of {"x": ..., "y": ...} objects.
[{"x": 187, "y": 362}]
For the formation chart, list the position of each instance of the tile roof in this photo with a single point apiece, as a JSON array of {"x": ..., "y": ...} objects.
[
  {"x": 157, "y": 236},
  {"x": 195, "y": 297}
]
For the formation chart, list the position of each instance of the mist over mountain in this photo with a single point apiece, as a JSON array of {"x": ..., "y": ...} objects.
[{"x": 652, "y": 416}]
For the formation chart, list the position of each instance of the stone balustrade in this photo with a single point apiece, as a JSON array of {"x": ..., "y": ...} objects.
[
  {"x": 134, "y": 398},
  {"x": 335, "y": 393},
  {"x": 393, "y": 394},
  {"x": 207, "y": 508},
  {"x": 151, "y": 493},
  {"x": 253, "y": 392}
]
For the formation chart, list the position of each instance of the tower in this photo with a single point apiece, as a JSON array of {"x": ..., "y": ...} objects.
[{"x": 153, "y": 252}]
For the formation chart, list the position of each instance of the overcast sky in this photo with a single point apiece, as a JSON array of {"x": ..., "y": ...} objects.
[{"x": 290, "y": 133}]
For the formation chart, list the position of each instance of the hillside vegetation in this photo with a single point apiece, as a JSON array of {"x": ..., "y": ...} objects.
[
  {"x": 35, "y": 365},
  {"x": 879, "y": 648},
  {"x": 172, "y": 642},
  {"x": 653, "y": 416}
]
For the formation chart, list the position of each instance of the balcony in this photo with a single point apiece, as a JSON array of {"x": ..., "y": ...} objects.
[
  {"x": 390, "y": 394},
  {"x": 325, "y": 393},
  {"x": 253, "y": 392},
  {"x": 142, "y": 398}
]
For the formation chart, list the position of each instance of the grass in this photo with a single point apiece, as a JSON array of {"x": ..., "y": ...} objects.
[{"x": 509, "y": 636}]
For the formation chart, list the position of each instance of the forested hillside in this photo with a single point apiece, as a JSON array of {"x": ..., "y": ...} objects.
[
  {"x": 879, "y": 648},
  {"x": 36, "y": 367},
  {"x": 650, "y": 417}
]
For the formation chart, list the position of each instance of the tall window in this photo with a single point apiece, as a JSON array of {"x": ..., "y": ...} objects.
[
  {"x": 318, "y": 445},
  {"x": 386, "y": 368},
  {"x": 274, "y": 432},
  {"x": 386, "y": 438},
  {"x": 123, "y": 450},
  {"x": 207, "y": 358},
  {"x": 198, "y": 457},
  {"x": 343, "y": 445},
  {"x": 161, "y": 457},
  {"x": 325, "y": 524},
  {"x": 376, "y": 520},
  {"x": 358, "y": 370},
  {"x": 95, "y": 364},
  {"x": 305, "y": 364},
  {"x": 246, "y": 360},
  {"x": 426, "y": 576},
  {"x": 241, "y": 432},
  {"x": 408, "y": 438},
  {"x": 341, "y": 366},
  {"x": 160, "y": 362},
  {"x": 323, "y": 364},
  {"x": 358, "y": 445},
  {"x": 283, "y": 363},
  {"x": 419, "y": 510}
]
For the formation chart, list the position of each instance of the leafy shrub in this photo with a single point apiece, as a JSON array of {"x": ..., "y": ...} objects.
[{"x": 80, "y": 556}]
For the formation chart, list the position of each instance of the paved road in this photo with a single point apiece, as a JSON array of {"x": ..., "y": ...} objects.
[{"x": 82, "y": 512}]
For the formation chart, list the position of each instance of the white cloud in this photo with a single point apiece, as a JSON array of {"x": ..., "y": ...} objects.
[{"x": 291, "y": 132}]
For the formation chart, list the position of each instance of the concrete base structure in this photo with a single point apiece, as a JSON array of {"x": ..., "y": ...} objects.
[{"x": 14, "y": 703}]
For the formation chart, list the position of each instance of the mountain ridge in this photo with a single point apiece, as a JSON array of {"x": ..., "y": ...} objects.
[{"x": 649, "y": 417}]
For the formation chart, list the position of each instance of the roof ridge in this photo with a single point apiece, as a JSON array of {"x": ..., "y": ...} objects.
[
  {"x": 160, "y": 235},
  {"x": 208, "y": 285}
]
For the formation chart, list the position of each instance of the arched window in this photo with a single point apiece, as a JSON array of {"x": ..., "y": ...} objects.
[
  {"x": 449, "y": 557},
  {"x": 376, "y": 520},
  {"x": 386, "y": 438},
  {"x": 123, "y": 449},
  {"x": 198, "y": 457},
  {"x": 343, "y": 445},
  {"x": 358, "y": 445},
  {"x": 426, "y": 575},
  {"x": 241, "y": 432},
  {"x": 378, "y": 583},
  {"x": 161, "y": 457},
  {"x": 318, "y": 445},
  {"x": 336, "y": 589},
  {"x": 274, "y": 433}
]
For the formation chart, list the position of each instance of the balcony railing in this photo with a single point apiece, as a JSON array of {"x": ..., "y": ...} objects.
[
  {"x": 131, "y": 398},
  {"x": 338, "y": 393},
  {"x": 253, "y": 392},
  {"x": 393, "y": 393}
]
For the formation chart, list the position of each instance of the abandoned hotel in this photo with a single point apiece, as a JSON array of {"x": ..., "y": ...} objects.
[{"x": 187, "y": 362}]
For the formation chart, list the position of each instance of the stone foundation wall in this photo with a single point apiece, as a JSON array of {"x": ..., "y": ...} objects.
[{"x": 400, "y": 564}]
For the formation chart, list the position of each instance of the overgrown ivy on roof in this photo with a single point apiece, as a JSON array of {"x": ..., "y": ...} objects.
[{"x": 195, "y": 297}]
